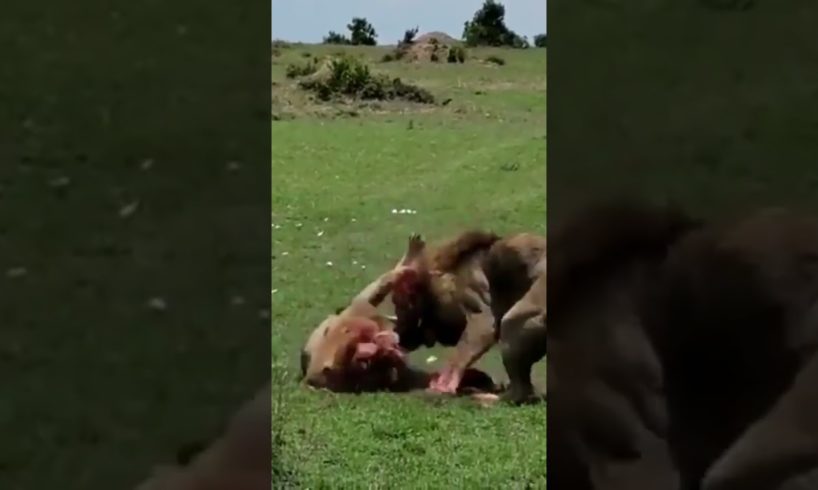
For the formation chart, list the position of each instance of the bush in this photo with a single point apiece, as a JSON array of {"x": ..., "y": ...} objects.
[
  {"x": 345, "y": 76},
  {"x": 434, "y": 58},
  {"x": 519, "y": 42},
  {"x": 335, "y": 38},
  {"x": 403, "y": 45},
  {"x": 388, "y": 57},
  {"x": 457, "y": 54},
  {"x": 295, "y": 70},
  {"x": 400, "y": 90},
  {"x": 280, "y": 44},
  {"x": 496, "y": 60},
  {"x": 488, "y": 28},
  {"x": 361, "y": 32},
  {"x": 540, "y": 40},
  {"x": 351, "y": 77},
  {"x": 409, "y": 37}
]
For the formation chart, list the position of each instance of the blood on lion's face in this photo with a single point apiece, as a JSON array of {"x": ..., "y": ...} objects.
[{"x": 352, "y": 354}]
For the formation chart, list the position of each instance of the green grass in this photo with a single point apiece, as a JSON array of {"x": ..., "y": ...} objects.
[
  {"x": 97, "y": 386},
  {"x": 478, "y": 161}
]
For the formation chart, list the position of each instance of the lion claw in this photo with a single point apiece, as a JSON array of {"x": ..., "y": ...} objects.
[
  {"x": 416, "y": 243},
  {"x": 414, "y": 249}
]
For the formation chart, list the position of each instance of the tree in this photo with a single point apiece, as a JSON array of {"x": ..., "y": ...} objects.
[
  {"x": 409, "y": 37},
  {"x": 540, "y": 40},
  {"x": 361, "y": 32},
  {"x": 520, "y": 42},
  {"x": 335, "y": 38},
  {"x": 488, "y": 28}
]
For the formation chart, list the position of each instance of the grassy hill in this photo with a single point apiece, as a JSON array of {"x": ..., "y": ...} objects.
[{"x": 341, "y": 174}]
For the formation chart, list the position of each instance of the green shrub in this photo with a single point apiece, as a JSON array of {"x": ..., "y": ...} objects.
[
  {"x": 344, "y": 76},
  {"x": 335, "y": 38},
  {"x": 457, "y": 54},
  {"x": 496, "y": 60},
  {"x": 540, "y": 40},
  {"x": 350, "y": 77},
  {"x": 296, "y": 70},
  {"x": 412, "y": 93},
  {"x": 400, "y": 51},
  {"x": 519, "y": 42},
  {"x": 388, "y": 57}
]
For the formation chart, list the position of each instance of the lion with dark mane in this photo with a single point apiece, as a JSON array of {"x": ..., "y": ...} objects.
[{"x": 471, "y": 292}]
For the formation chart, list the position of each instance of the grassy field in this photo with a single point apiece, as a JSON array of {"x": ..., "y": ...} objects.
[
  {"x": 338, "y": 173},
  {"x": 121, "y": 339}
]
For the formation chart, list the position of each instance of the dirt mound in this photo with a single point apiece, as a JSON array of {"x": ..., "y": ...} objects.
[
  {"x": 432, "y": 46},
  {"x": 441, "y": 37}
]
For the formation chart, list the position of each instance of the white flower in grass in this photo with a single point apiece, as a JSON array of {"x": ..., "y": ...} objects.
[
  {"x": 157, "y": 304},
  {"x": 320, "y": 234},
  {"x": 431, "y": 359},
  {"x": 129, "y": 209},
  {"x": 60, "y": 182},
  {"x": 16, "y": 272},
  {"x": 329, "y": 263}
]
